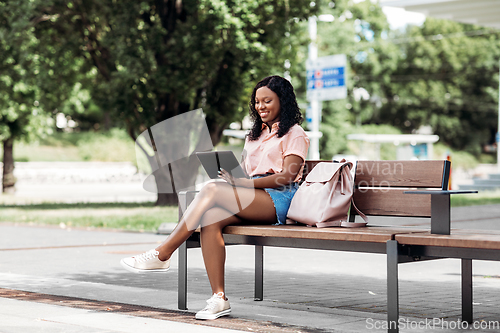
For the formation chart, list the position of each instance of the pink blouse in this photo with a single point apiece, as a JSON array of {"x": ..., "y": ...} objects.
[{"x": 267, "y": 153}]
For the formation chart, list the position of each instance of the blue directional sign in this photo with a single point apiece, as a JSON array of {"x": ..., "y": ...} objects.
[{"x": 326, "y": 78}]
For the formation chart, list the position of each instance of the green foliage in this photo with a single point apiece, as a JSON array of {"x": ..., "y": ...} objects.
[
  {"x": 21, "y": 115},
  {"x": 446, "y": 77},
  {"x": 157, "y": 59},
  {"x": 34, "y": 78},
  {"x": 80, "y": 107},
  {"x": 357, "y": 32},
  {"x": 459, "y": 158},
  {"x": 443, "y": 74},
  {"x": 145, "y": 61},
  {"x": 487, "y": 158},
  {"x": 124, "y": 216},
  {"x": 62, "y": 139},
  {"x": 335, "y": 126}
]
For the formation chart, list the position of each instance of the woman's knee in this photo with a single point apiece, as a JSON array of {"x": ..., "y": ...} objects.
[
  {"x": 216, "y": 218},
  {"x": 211, "y": 189}
]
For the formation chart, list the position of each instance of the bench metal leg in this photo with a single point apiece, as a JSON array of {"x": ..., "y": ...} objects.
[
  {"x": 182, "y": 277},
  {"x": 440, "y": 214},
  {"x": 467, "y": 290},
  {"x": 259, "y": 273},
  {"x": 392, "y": 287}
]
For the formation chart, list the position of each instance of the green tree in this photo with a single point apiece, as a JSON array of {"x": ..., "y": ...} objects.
[
  {"x": 20, "y": 113},
  {"x": 447, "y": 77},
  {"x": 357, "y": 31},
  {"x": 157, "y": 59},
  {"x": 443, "y": 74},
  {"x": 34, "y": 78}
]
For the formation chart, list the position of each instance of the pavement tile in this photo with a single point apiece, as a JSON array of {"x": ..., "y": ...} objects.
[{"x": 30, "y": 317}]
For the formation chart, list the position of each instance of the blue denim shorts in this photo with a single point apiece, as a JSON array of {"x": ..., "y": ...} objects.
[{"x": 282, "y": 197}]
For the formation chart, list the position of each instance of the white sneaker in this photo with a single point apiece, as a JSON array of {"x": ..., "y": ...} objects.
[
  {"x": 146, "y": 262},
  {"x": 217, "y": 306}
]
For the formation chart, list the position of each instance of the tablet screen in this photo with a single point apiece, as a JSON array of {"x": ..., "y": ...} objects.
[{"x": 213, "y": 161}]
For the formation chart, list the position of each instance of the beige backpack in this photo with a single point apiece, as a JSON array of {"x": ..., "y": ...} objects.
[{"x": 324, "y": 198}]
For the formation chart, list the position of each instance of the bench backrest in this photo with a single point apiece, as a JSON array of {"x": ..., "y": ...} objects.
[{"x": 379, "y": 186}]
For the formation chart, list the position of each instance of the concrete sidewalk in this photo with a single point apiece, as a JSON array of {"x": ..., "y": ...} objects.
[{"x": 70, "y": 280}]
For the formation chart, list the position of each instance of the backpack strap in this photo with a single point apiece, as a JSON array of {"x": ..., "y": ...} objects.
[{"x": 348, "y": 224}]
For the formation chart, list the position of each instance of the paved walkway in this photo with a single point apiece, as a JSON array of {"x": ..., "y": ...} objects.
[{"x": 70, "y": 280}]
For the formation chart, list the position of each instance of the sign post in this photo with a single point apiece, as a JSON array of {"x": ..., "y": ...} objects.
[{"x": 326, "y": 80}]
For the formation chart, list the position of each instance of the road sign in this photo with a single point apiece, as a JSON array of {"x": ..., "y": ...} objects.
[{"x": 326, "y": 78}]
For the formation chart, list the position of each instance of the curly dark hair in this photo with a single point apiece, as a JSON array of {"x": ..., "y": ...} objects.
[{"x": 289, "y": 109}]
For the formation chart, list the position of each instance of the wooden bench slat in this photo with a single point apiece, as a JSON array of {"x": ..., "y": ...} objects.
[
  {"x": 419, "y": 174},
  {"x": 461, "y": 238},
  {"x": 366, "y": 234},
  {"x": 392, "y": 202}
]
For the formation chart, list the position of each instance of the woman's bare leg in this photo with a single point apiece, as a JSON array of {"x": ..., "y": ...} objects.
[
  {"x": 212, "y": 241},
  {"x": 247, "y": 203},
  {"x": 213, "y": 247},
  {"x": 190, "y": 219}
]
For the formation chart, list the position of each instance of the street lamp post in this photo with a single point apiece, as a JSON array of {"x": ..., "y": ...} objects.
[{"x": 315, "y": 104}]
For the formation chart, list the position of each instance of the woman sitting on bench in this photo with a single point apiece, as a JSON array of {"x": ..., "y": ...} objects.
[{"x": 273, "y": 157}]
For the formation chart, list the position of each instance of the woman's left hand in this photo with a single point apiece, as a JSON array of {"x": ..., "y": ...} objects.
[{"x": 243, "y": 182}]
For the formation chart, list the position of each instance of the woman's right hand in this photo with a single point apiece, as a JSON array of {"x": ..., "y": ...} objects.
[{"x": 243, "y": 182}]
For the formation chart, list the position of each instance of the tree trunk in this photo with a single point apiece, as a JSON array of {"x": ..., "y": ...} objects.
[
  {"x": 107, "y": 121},
  {"x": 8, "y": 179},
  {"x": 168, "y": 180},
  {"x": 164, "y": 185},
  {"x": 183, "y": 172},
  {"x": 166, "y": 199},
  {"x": 174, "y": 139}
]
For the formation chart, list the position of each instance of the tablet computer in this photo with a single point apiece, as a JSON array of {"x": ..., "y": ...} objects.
[{"x": 213, "y": 161}]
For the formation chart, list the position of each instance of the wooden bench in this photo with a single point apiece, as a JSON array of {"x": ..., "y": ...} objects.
[
  {"x": 382, "y": 188},
  {"x": 460, "y": 244}
]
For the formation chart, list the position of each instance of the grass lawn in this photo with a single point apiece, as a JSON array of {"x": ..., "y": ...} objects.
[
  {"x": 124, "y": 216},
  {"x": 138, "y": 216},
  {"x": 141, "y": 217},
  {"x": 76, "y": 147},
  {"x": 481, "y": 198}
]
